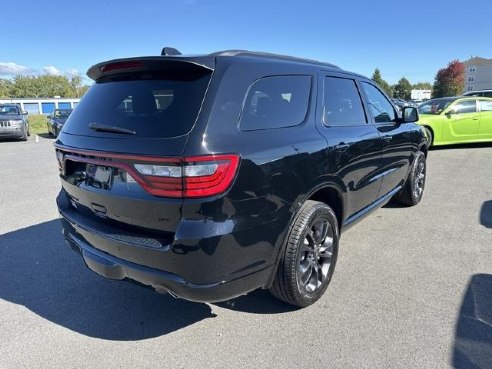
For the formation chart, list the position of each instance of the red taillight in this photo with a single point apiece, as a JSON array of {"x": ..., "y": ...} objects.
[
  {"x": 189, "y": 177},
  {"x": 209, "y": 175},
  {"x": 199, "y": 176}
]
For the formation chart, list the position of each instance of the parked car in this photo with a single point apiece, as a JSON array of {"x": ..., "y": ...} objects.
[
  {"x": 211, "y": 176},
  {"x": 14, "y": 123},
  {"x": 400, "y": 103},
  {"x": 453, "y": 120},
  {"x": 479, "y": 93},
  {"x": 57, "y": 119}
]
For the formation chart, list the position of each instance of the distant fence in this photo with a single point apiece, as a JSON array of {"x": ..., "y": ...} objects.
[{"x": 42, "y": 106}]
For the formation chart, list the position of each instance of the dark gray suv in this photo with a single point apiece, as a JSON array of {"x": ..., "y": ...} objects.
[{"x": 13, "y": 122}]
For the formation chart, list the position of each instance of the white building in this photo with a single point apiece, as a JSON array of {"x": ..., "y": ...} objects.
[
  {"x": 478, "y": 74},
  {"x": 420, "y": 94},
  {"x": 42, "y": 106}
]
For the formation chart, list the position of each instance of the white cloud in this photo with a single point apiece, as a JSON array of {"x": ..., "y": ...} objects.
[
  {"x": 73, "y": 72},
  {"x": 9, "y": 68},
  {"x": 51, "y": 70}
]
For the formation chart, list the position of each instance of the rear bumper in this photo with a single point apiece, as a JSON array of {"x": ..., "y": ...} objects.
[{"x": 164, "y": 282}]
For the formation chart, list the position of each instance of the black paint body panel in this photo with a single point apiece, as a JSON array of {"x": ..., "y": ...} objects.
[{"x": 210, "y": 249}]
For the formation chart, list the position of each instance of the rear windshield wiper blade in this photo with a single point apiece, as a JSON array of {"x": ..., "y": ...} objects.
[{"x": 106, "y": 128}]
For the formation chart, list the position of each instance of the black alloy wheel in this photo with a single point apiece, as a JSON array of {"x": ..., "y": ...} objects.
[
  {"x": 413, "y": 190},
  {"x": 308, "y": 261}
]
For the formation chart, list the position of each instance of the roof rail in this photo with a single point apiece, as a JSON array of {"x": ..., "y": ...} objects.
[{"x": 270, "y": 56}]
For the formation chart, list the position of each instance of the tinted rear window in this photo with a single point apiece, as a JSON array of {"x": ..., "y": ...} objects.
[{"x": 153, "y": 108}]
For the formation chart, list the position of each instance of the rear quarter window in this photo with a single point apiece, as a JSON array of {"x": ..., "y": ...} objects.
[{"x": 276, "y": 102}]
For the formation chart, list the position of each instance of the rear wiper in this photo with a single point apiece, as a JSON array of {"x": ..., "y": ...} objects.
[{"x": 105, "y": 128}]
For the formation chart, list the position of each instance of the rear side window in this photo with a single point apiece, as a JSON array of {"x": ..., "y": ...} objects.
[
  {"x": 382, "y": 110},
  {"x": 151, "y": 107},
  {"x": 342, "y": 105},
  {"x": 485, "y": 105},
  {"x": 276, "y": 102}
]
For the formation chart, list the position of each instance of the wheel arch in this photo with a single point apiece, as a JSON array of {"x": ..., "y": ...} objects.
[
  {"x": 328, "y": 193},
  {"x": 331, "y": 196},
  {"x": 426, "y": 126}
]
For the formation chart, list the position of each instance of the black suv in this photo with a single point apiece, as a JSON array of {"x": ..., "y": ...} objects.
[{"x": 210, "y": 176}]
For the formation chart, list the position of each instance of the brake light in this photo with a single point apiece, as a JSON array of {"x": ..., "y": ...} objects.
[
  {"x": 120, "y": 65},
  {"x": 199, "y": 176}
]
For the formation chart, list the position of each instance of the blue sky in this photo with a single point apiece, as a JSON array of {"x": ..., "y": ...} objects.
[{"x": 411, "y": 39}]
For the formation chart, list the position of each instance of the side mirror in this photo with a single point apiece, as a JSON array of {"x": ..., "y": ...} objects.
[
  {"x": 450, "y": 112},
  {"x": 410, "y": 114},
  {"x": 25, "y": 113}
]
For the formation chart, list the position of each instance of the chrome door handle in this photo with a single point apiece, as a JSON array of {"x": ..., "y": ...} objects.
[
  {"x": 387, "y": 138},
  {"x": 341, "y": 146}
]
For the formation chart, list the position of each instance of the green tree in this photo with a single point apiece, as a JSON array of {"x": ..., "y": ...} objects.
[
  {"x": 77, "y": 88},
  {"x": 422, "y": 86},
  {"x": 376, "y": 77},
  {"x": 402, "y": 89},
  {"x": 449, "y": 81},
  {"x": 41, "y": 86},
  {"x": 5, "y": 86}
]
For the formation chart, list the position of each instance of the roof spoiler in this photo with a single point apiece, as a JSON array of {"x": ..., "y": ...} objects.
[{"x": 173, "y": 64}]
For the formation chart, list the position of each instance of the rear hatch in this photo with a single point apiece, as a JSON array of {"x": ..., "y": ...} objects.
[{"x": 120, "y": 151}]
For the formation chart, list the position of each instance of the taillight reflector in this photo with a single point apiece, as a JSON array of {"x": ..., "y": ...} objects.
[{"x": 199, "y": 176}]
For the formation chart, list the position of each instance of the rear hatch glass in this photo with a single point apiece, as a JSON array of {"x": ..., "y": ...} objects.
[{"x": 140, "y": 105}]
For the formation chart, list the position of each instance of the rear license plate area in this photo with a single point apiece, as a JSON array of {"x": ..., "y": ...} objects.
[{"x": 99, "y": 176}]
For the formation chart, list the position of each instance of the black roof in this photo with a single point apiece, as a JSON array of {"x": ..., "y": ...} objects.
[
  {"x": 264, "y": 55},
  {"x": 202, "y": 61}
]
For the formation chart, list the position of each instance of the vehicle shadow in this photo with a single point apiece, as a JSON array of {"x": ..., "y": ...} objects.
[
  {"x": 473, "y": 337},
  {"x": 46, "y": 135},
  {"x": 38, "y": 271},
  {"x": 257, "y": 302},
  {"x": 486, "y": 214}
]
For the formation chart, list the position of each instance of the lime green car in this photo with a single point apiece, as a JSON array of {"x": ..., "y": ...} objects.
[{"x": 452, "y": 120}]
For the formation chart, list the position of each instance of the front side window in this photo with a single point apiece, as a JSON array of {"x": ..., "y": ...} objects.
[
  {"x": 435, "y": 106},
  {"x": 342, "y": 104},
  {"x": 276, "y": 102},
  {"x": 382, "y": 110}
]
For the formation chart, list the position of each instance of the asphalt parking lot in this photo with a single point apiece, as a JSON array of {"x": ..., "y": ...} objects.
[{"x": 412, "y": 288}]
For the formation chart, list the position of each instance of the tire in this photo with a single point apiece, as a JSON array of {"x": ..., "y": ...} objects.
[
  {"x": 414, "y": 187},
  {"x": 429, "y": 135},
  {"x": 309, "y": 257},
  {"x": 49, "y": 131},
  {"x": 24, "y": 134},
  {"x": 28, "y": 130}
]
